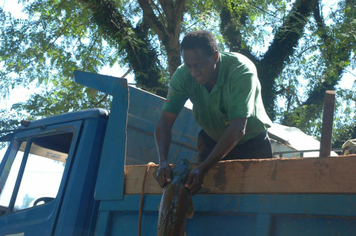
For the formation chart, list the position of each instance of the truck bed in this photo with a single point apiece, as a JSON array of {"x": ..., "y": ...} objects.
[{"x": 311, "y": 196}]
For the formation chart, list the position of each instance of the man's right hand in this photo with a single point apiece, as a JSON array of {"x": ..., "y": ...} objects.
[
  {"x": 163, "y": 138},
  {"x": 163, "y": 175}
]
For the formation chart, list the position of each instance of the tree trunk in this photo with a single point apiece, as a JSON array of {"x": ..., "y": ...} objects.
[
  {"x": 140, "y": 55},
  {"x": 167, "y": 26}
]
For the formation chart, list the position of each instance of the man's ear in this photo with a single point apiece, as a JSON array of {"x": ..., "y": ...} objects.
[{"x": 216, "y": 55}]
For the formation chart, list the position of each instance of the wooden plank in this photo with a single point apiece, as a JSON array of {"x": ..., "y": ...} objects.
[
  {"x": 289, "y": 175},
  {"x": 327, "y": 127}
]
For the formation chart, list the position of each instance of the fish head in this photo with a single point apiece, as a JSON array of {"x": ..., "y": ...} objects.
[{"x": 182, "y": 169}]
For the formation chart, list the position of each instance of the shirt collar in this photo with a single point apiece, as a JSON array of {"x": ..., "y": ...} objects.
[{"x": 220, "y": 80}]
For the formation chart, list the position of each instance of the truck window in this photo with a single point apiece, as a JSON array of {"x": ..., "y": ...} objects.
[
  {"x": 3, "y": 148},
  {"x": 9, "y": 175},
  {"x": 44, "y": 170},
  {"x": 4, "y": 144},
  {"x": 42, "y": 174}
]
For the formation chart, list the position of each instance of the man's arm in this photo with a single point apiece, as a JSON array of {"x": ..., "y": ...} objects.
[
  {"x": 163, "y": 140},
  {"x": 226, "y": 143}
]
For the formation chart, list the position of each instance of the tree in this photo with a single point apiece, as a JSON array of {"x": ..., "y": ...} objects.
[
  {"x": 309, "y": 50},
  {"x": 303, "y": 38}
]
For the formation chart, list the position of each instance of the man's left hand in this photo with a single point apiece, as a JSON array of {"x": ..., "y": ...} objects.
[{"x": 195, "y": 180}]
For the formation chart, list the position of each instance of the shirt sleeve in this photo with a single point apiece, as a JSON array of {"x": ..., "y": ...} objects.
[
  {"x": 177, "y": 95},
  {"x": 243, "y": 87}
]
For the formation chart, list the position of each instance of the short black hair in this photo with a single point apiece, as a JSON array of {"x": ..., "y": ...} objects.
[{"x": 201, "y": 39}]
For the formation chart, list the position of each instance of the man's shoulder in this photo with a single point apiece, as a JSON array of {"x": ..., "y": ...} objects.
[
  {"x": 180, "y": 74},
  {"x": 234, "y": 60},
  {"x": 235, "y": 57},
  {"x": 182, "y": 81}
]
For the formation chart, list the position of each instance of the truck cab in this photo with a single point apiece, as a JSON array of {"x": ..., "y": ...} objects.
[
  {"x": 47, "y": 175},
  {"x": 57, "y": 170}
]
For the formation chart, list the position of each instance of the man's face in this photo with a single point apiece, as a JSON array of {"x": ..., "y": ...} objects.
[{"x": 203, "y": 68}]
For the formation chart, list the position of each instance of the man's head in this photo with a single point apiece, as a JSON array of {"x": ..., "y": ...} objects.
[
  {"x": 202, "y": 39},
  {"x": 201, "y": 56}
]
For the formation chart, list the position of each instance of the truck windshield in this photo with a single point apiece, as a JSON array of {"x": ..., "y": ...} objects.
[
  {"x": 4, "y": 144},
  {"x": 39, "y": 163}
]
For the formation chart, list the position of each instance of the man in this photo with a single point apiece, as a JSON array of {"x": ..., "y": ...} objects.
[{"x": 227, "y": 104}]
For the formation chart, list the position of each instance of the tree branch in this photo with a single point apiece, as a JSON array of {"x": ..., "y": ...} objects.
[
  {"x": 167, "y": 7},
  {"x": 319, "y": 20},
  {"x": 152, "y": 19},
  {"x": 168, "y": 32},
  {"x": 133, "y": 41}
]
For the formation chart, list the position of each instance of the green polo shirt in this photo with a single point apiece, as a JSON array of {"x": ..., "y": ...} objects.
[{"x": 237, "y": 94}]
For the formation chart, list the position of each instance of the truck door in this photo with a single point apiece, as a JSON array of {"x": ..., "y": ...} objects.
[{"x": 33, "y": 174}]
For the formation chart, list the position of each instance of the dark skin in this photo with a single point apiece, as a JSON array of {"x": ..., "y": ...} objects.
[{"x": 204, "y": 69}]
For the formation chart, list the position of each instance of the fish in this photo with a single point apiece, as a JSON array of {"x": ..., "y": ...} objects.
[{"x": 176, "y": 203}]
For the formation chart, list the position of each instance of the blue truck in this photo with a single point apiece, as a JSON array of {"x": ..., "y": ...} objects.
[{"x": 87, "y": 173}]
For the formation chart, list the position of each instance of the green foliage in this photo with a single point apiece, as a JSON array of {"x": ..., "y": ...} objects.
[
  {"x": 345, "y": 116},
  {"x": 51, "y": 102},
  {"x": 9, "y": 120},
  {"x": 56, "y": 39}
]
